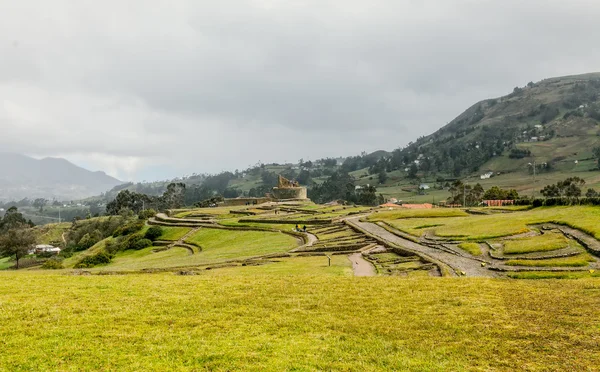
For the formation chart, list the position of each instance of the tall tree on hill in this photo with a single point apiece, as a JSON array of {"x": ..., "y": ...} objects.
[
  {"x": 382, "y": 177},
  {"x": 16, "y": 241},
  {"x": 412, "y": 171}
]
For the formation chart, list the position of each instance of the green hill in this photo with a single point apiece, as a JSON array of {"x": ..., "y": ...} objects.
[{"x": 554, "y": 124}]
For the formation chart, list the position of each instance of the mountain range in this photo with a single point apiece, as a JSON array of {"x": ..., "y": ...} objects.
[{"x": 25, "y": 177}]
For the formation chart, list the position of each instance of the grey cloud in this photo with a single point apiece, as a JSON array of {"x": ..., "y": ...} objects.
[{"x": 204, "y": 86}]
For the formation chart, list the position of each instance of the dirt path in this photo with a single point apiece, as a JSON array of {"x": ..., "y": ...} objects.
[
  {"x": 466, "y": 265},
  {"x": 361, "y": 266}
]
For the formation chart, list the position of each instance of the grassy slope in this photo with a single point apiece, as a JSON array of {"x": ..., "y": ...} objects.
[
  {"x": 218, "y": 321},
  {"x": 217, "y": 246},
  {"x": 173, "y": 233},
  {"x": 6, "y": 262},
  {"x": 50, "y": 233}
]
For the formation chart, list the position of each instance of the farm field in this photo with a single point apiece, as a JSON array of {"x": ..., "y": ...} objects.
[{"x": 225, "y": 320}]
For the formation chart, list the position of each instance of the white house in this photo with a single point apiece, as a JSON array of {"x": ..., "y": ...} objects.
[
  {"x": 424, "y": 186},
  {"x": 486, "y": 176},
  {"x": 44, "y": 248}
]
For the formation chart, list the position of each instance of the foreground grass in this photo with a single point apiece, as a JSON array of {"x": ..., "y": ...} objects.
[
  {"x": 222, "y": 321},
  {"x": 555, "y": 275},
  {"x": 542, "y": 243}
]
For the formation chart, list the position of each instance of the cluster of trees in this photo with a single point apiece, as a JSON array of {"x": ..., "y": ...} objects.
[
  {"x": 468, "y": 195},
  {"x": 340, "y": 186},
  {"x": 569, "y": 188},
  {"x": 516, "y": 153},
  {"x": 173, "y": 197}
]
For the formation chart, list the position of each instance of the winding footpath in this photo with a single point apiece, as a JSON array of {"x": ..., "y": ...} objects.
[
  {"x": 361, "y": 266},
  {"x": 468, "y": 266}
]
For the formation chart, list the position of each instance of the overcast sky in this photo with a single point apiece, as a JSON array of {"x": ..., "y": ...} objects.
[{"x": 153, "y": 89}]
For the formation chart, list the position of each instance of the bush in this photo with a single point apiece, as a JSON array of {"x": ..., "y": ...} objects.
[
  {"x": 44, "y": 254},
  {"x": 153, "y": 233},
  {"x": 53, "y": 264},
  {"x": 97, "y": 259},
  {"x": 148, "y": 213},
  {"x": 130, "y": 241},
  {"x": 141, "y": 244},
  {"x": 129, "y": 228}
]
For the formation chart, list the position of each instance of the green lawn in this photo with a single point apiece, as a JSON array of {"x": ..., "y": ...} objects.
[
  {"x": 221, "y": 320},
  {"x": 542, "y": 243},
  {"x": 173, "y": 233}
]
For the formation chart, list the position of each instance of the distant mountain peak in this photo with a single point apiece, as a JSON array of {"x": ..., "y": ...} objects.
[{"x": 23, "y": 176}]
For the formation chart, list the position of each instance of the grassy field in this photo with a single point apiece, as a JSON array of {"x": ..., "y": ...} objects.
[
  {"x": 575, "y": 261},
  {"x": 542, "y": 243},
  {"x": 173, "y": 233},
  {"x": 481, "y": 227},
  {"x": 217, "y": 246},
  {"x": 225, "y": 321}
]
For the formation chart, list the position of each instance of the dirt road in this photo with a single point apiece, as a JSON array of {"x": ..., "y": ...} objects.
[{"x": 468, "y": 266}]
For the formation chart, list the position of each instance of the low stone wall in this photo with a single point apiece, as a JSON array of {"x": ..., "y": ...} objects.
[{"x": 243, "y": 201}]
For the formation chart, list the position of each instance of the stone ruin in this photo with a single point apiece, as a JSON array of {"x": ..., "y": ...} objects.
[{"x": 287, "y": 189}]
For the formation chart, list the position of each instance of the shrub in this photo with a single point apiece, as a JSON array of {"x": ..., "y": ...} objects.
[
  {"x": 129, "y": 228},
  {"x": 130, "y": 241},
  {"x": 148, "y": 213},
  {"x": 53, "y": 264},
  {"x": 97, "y": 259},
  {"x": 141, "y": 244},
  {"x": 153, "y": 233}
]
